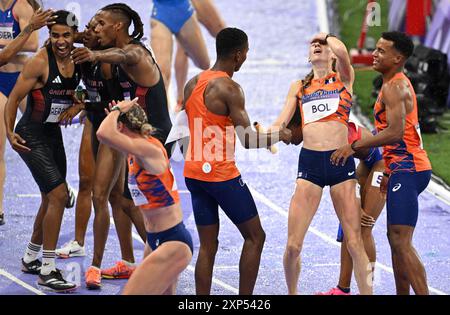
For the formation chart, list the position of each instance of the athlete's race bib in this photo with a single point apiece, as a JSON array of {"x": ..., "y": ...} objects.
[
  {"x": 138, "y": 196},
  {"x": 58, "y": 106},
  {"x": 318, "y": 108},
  {"x": 377, "y": 178},
  {"x": 6, "y": 32}
]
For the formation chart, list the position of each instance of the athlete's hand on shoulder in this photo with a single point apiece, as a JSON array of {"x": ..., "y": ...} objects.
[
  {"x": 285, "y": 134},
  {"x": 341, "y": 155},
  {"x": 17, "y": 143},
  {"x": 42, "y": 18},
  {"x": 82, "y": 55}
]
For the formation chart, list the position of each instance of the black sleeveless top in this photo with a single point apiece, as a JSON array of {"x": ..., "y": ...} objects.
[
  {"x": 100, "y": 91},
  {"x": 45, "y": 104},
  {"x": 152, "y": 99}
]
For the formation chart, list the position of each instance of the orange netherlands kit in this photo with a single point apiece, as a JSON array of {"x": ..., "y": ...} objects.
[
  {"x": 151, "y": 191},
  {"x": 407, "y": 155},
  {"x": 210, "y": 154},
  {"x": 325, "y": 99}
]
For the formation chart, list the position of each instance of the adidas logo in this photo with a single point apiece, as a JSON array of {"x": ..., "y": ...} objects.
[{"x": 57, "y": 80}]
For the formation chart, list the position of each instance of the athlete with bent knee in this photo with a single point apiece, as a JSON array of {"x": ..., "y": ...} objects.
[
  {"x": 50, "y": 79},
  {"x": 325, "y": 100},
  {"x": 215, "y": 108},
  {"x": 154, "y": 190},
  {"x": 407, "y": 167},
  {"x": 369, "y": 174},
  {"x": 134, "y": 66}
]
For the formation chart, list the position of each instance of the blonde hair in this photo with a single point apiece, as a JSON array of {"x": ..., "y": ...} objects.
[{"x": 136, "y": 120}]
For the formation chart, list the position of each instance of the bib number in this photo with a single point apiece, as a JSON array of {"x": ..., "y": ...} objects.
[
  {"x": 317, "y": 109},
  {"x": 376, "y": 179},
  {"x": 6, "y": 33},
  {"x": 56, "y": 109}
]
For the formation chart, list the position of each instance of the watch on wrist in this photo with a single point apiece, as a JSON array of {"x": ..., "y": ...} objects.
[
  {"x": 116, "y": 107},
  {"x": 329, "y": 35}
]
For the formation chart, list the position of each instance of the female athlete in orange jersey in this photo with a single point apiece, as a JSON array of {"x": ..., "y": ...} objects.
[
  {"x": 153, "y": 188},
  {"x": 324, "y": 98}
]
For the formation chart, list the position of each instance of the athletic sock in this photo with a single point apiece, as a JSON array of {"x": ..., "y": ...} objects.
[
  {"x": 345, "y": 290},
  {"x": 31, "y": 253},
  {"x": 48, "y": 262}
]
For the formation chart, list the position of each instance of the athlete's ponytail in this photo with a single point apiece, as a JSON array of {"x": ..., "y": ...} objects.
[{"x": 131, "y": 15}]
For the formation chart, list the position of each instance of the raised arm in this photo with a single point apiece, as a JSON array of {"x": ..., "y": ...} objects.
[
  {"x": 39, "y": 19},
  {"x": 129, "y": 55},
  {"x": 343, "y": 65},
  {"x": 235, "y": 101},
  {"x": 151, "y": 157}
]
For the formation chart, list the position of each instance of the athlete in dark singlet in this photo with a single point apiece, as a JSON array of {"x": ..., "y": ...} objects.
[
  {"x": 138, "y": 73},
  {"x": 50, "y": 80}
]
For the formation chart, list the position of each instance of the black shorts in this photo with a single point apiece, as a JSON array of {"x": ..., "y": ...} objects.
[
  {"x": 316, "y": 167},
  {"x": 47, "y": 158}
]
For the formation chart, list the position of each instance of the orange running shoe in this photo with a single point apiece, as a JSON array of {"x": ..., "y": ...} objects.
[
  {"x": 93, "y": 278},
  {"x": 120, "y": 271}
]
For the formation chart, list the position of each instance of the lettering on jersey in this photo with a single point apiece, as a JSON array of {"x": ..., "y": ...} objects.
[
  {"x": 59, "y": 92},
  {"x": 58, "y": 106},
  {"x": 6, "y": 31},
  {"x": 319, "y": 104}
]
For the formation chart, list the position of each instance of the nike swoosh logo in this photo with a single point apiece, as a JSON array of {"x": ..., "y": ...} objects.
[{"x": 351, "y": 173}]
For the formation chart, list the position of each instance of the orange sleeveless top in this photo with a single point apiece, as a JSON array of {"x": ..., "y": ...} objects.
[
  {"x": 325, "y": 99},
  {"x": 210, "y": 154},
  {"x": 152, "y": 191},
  {"x": 407, "y": 155}
]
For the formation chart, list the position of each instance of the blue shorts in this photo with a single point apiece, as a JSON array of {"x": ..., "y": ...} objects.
[
  {"x": 7, "y": 82},
  {"x": 373, "y": 157},
  {"x": 233, "y": 196},
  {"x": 172, "y": 13},
  {"x": 316, "y": 167},
  {"x": 176, "y": 233},
  {"x": 404, "y": 189}
]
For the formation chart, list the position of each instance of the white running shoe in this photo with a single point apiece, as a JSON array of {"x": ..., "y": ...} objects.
[{"x": 71, "y": 249}]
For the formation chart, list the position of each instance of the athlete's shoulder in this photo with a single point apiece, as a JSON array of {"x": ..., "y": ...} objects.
[
  {"x": 398, "y": 87},
  {"x": 22, "y": 9},
  {"x": 39, "y": 60}
]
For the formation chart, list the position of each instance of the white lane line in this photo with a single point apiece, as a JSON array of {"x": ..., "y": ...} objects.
[
  {"x": 20, "y": 282},
  {"x": 323, "y": 236},
  {"x": 192, "y": 268},
  {"x": 29, "y": 195}
]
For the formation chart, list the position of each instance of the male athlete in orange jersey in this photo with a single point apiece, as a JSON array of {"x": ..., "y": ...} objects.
[
  {"x": 214, "y": 105},
  {"x": 408, "y": 169}
]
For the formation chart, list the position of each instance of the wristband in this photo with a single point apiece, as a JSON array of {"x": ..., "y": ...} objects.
[
  {"x": 385, "y": 174},
  {"x": 329, "y": 35},
  {"x": 116, "y": 108}
]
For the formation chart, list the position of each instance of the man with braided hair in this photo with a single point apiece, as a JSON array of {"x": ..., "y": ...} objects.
[{"x": 135, "y": 68}]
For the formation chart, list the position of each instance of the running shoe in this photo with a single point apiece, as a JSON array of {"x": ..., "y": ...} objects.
[
  {"x": 33, "y": 267},
  {"x": 334, "y": 291},
  {"x": 71, "y": 200},
  {"x": 93, "y": 278},
  {"x": 120, "y": 271},
  {"x": 2, "y": 219},
  {"x": 55, "y": 282},
  {"x": 71, "y": 249}
]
